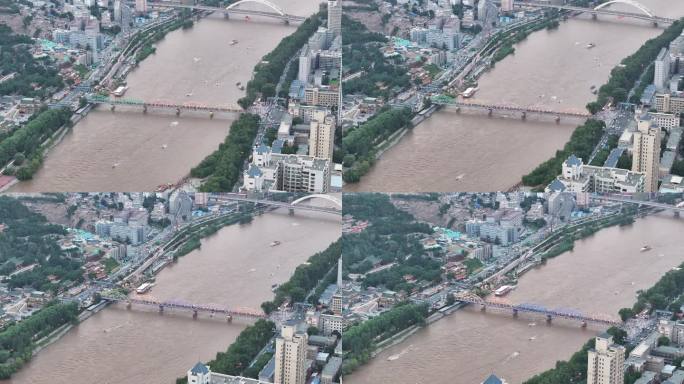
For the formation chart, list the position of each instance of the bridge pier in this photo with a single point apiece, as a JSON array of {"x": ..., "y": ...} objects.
[
  {"x": 524, "y": 115},
  {"x": 515, "y": 312},
  {"x": 194, "y": 314},
  {"x": 211, "y": 114},
  {"x": 483, "y": 308},
  {"x": 161, "y": 308},
  {"x": 144, "y": 108},
  {"x": 226, "y": 15},
  {"x": 655, "y": 23},
  {"x": 229, "y": 318},
  {"x": 458, "y": 109},
  {"x": 594, "y": 16},
  {"x": 676, "y": 214},
  {"x": 128, "y": 304},
  {"x": 584, "y": 324},
  {"x": 286, "y": 21},
  {"x": 548, "y": 319},
  {"x": 112, "y": 107},
  {"x": 557, "y": 119},
  {"x": 490, "y": 111},
  {"x": 291, "y": 211},
  {"x": 178, "y": 111}
]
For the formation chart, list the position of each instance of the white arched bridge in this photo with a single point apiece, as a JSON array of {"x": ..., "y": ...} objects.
[
  {"x": 642, "y": 12},
  {"x": 271, "y": 10},
  {"x": 294, "y": 205}
]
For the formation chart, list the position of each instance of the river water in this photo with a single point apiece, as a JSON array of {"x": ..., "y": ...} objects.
[
  {"x": 554, "y": 69},
  {"x": 601, "y": 275},
  {"x": 234, "y": 268},
  {"x": 197, "y": 65}
]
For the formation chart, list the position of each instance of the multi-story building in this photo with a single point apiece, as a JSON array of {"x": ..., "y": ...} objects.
[
  {"x": 506, "y": 5},
  {"x": 667, "y": 103},
  {"x": 335, "y": 16},
  {"x": 271, "y": 170},
  {"x": 290, "y": 356},
  {"x": 646, "y": 153},
  {"x": 331, "y": 323},
  {"x": 577, "y": 178},
  {"x": 322, "y": 138},
  {"x": 141, "y": 6},
  {"x": 664, "y": 120},
  {"x": 606, "y": 362},
  {"x": 662, "y": 69},
  {"x": 326, "y": 96}
]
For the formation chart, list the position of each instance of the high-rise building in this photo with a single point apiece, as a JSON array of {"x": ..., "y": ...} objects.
[
  {"x": 606, "y": 362},
  {"x": 290, "y": 356},
  {"x": 117, "y": 11},
  {"x": 322, "y": 138},
  {"x": 304, "y": 64},
  {"x": 339, "y": 273},
  {"x": 335, "y": 16},
  {"x": 506, "y": 5},
  {"x": 482, "y": 9},
  {"x": 141, "y": 6},
  {"x": 646, "y": 153},
  {"x": 662, "y": 69}
]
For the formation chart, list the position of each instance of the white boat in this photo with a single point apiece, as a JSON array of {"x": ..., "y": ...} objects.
[
  {"x": 645, "y": 248},
  {"x": 469, "y": 92},
  {"x": 120, "y": 91},
  {"x": 233, "y": 42},
  {"x": 503, "y": 290},
  {"x": 115, "y": 165},
  {"x": 164, "y": 146},
  {"x": 144, "y": 288},
  {"x": 590, "y": 45},
  {"x": 275, "y": 243}
]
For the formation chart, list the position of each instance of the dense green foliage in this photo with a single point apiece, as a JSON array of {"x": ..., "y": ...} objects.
[
  {"x": 306, "y": 277},
  {"x": 360, "y": 339},
  {"x": 582, "y": 143},
  {"x": 380, "y": 78},
  {"x": 28, "y": 139},
  {"x": 392, "y": 236},
  {"x": 361, "y": 142},
  {"x": 17, "y": 341},
  {"x": 223, "y": 167},
  {"x": 34, "y": 77},
  {"x": 566, "y": 372},
  {"x": 665, "y": 294},
  {"x": 29, "y": 239},
  {"x": 268, "y": 72}
]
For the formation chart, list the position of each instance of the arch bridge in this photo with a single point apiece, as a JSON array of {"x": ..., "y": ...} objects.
[
  {"x": 272, "y": 11},
  {"x": 643, "y": 13},
  {"x": 295, "y": 205}
]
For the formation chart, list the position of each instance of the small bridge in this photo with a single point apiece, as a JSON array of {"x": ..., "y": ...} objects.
[
  {"x": 273, "y": 11},
  {"x": 521, "y": 111},
  {"x": 178, "y": 108},
  {"x": 196, "y": 309},
  {"x": 297, "y": 204},
  {"x": 602, "y": 9},
  {"x": 550, "y": 314}
]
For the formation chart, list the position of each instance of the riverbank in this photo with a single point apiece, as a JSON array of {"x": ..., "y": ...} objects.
[
  {"x": 622, "y": 78},
  {"x": 578, "y": 232}
]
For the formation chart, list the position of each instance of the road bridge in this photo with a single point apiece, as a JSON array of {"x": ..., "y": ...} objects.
[
  {"x": 602, "y": 9},
  {"x": 195, "y": 309},
  {"x": 521, "y": 111},
  {"x": 677, "y": 209},
  {"x": 548, "y": 313},
  {"x": 178, "y": 108},
  {"x": 297, "y": 204},
  {"x": 272, "y": 10}
]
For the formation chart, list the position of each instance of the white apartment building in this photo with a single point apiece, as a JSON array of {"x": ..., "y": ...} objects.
[
  {"x": 606, "y": 362},
  {"x": 290, "y": 356}
]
